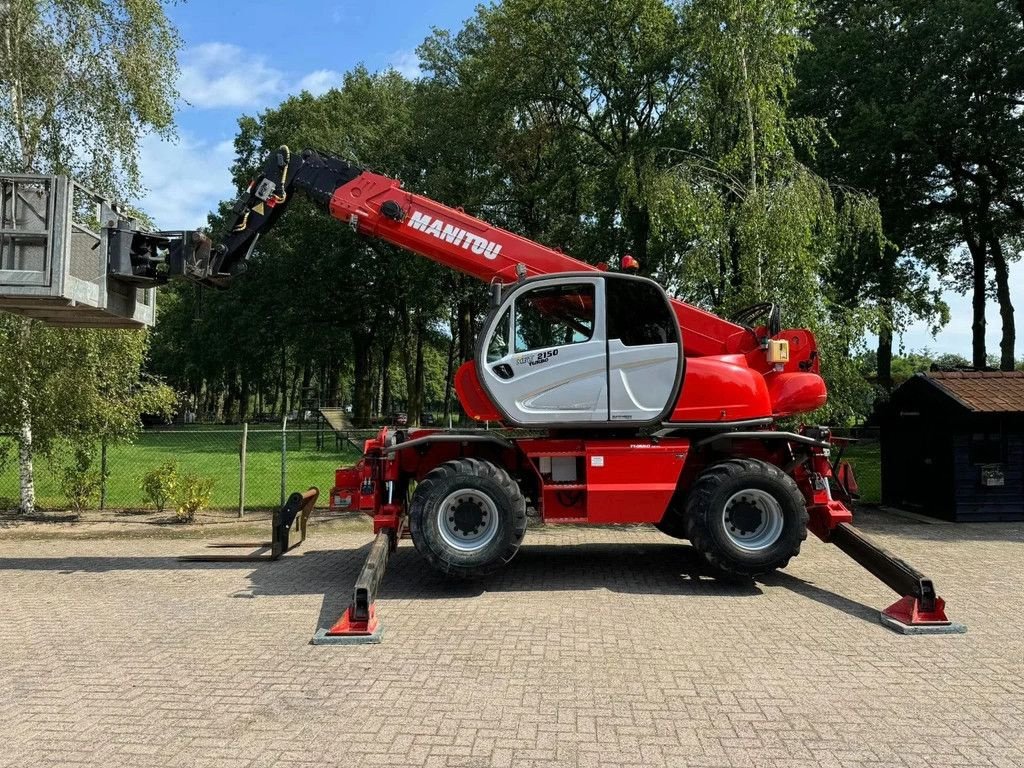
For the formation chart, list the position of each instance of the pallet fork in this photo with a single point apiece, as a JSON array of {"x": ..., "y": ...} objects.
[
  {"x": 359, "y": 623},
  {"x": 287, "y": 532}
]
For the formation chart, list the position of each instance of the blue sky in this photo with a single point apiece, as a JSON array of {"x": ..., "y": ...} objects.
[{"x": 241, "y": 57}]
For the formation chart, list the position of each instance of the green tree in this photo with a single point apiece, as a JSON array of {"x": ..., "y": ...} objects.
[
  {"x": 318, "y": 305},
  {"x": 670, "y": 137},
  {"x": 79, "y": 83},
  {"x": 924, "y": 102}
]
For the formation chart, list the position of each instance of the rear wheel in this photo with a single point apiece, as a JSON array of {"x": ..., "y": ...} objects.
[
  {"x": 468, "y": 518},
  {"x": 746, "y": 517}
]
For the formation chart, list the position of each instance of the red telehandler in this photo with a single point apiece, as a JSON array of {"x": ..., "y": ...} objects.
[{"x": 619, "y": 403}]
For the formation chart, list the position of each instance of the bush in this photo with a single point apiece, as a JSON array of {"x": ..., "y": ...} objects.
[
  {"x": 158, "y": 485},
  {"x": 192, "y": 495},
  {"x": 81, "y": 484}
]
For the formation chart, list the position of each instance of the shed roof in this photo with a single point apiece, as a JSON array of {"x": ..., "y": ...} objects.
[{"x": 982, "y": 391}]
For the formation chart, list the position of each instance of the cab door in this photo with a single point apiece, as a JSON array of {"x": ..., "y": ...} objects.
[
  {"x": 645, "y": 359},
  {"x": 543, "y": 358}
]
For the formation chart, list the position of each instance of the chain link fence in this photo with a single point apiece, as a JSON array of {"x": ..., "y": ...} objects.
[{"x": 276, "y": 462}]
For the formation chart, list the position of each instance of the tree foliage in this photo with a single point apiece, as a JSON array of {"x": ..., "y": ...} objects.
[
  {"x": 924, "y": 103},
  {"x": 745, "y": 151},
  {"x": 80, "y": 81}
]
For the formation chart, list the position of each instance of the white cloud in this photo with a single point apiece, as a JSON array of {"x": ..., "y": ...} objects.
[
  {"x": 217, "y": 75},
  {"x": 406, "y": 63},
  {"x": 224, "y": 75},
  {"x": 185, "y": 180},
  {"x": 320, "y": 81}
]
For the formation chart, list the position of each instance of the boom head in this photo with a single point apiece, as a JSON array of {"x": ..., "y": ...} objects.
[{"x": 264, "y": 201}]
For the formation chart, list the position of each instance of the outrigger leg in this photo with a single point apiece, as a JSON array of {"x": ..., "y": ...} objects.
[
  {"x": 359, "y": 624},
  {"x": 920, "y": 611}
]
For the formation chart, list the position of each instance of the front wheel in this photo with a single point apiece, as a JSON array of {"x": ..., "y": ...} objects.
[
  {"x": 468, "y": 518},
  {"x": 746, "y": 517}
]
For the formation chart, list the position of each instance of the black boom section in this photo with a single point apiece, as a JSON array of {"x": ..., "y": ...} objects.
[
  {"x": 895, "y": 573},
  {"x": 315, "y": 174}
]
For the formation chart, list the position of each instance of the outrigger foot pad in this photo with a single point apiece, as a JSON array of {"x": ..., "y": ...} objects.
[
  {"x": 359, "y": 625},
  {"x": 920, "y": 611},
  {"x": 349, "y": 631},
  {"x": 907, "y": 617}
]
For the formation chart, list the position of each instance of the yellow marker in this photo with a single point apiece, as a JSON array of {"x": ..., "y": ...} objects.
[{"x": 778, "y": 351}]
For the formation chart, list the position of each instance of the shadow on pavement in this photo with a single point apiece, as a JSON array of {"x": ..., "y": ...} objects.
[{"x": 649, "y": 568}]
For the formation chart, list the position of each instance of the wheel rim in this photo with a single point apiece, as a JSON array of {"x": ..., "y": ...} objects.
[
  {"x": 467, "y": 520},
  {"x": 752, "y": 520}
]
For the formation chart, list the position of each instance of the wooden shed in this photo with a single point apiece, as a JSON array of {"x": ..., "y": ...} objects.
[{"x": 953, "y": 446}]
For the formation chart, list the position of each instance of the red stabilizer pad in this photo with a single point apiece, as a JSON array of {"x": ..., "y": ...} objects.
[
  {"x": 906, "y": 616},
  {"x": 347, "y": 631}
]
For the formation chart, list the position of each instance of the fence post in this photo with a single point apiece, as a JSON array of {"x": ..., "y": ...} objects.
[
  {"x": 284, "y": 458},
  {"x": 103, "y": 473},
  {"x": 241, "y": 472}
]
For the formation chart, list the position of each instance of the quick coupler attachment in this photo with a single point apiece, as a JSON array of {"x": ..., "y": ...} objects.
[
  {"x": 359, "y": 624},
  {"x": 288, "y": 530},
  {"x": 920, "y": 611}
]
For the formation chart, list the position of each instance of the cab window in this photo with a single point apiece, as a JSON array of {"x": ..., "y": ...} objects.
[
  {"x": 554, "y": 316},
  {"x": 498, "y": 346},
  {"x": 638, "y": 313}
]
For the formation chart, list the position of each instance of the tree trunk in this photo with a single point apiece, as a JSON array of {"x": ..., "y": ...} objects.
[
  {"x": 884, "y": 357},
  {"x": 639, "y": 221},
  {"x": 25, "y": 469},
  {"x": 229, "y": 399},
  {"x": 331, "y": 376},
  {"x": 978, "y": 356},
  {"x": 295, "y": 396},
  {"x": 466, "y": 351},
  {"x": 386, "y": 405},
  {"x": 884, "y": 353},
  {"x": 243, "y": 399},
  {"x": 416, "y": 395},
  {"x": 450, "y": 368},
  {"x": 282, "y": 382},
  {"x": 363, "y": 395},
  {"x": 1007, "y": 360},
  {"x": 307, "y": 393}
]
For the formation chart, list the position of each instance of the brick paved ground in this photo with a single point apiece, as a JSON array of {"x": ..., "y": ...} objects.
[{"x": 594, "y": 648}]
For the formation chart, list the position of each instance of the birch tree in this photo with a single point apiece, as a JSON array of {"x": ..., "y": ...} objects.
[{"x": 80, "y": 82}]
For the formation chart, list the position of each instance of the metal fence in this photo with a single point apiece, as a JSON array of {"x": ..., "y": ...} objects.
[
  {"x": 274, "y": 463},
  {"x": 251, "y": 467}
]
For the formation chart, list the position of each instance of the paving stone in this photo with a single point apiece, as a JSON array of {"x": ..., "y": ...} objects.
[{"x": 595, "y": 647}]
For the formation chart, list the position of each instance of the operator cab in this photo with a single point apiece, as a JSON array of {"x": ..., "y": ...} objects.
[{"x": 595, "y": 349}]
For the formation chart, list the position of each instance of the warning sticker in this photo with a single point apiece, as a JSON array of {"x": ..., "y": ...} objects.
[{"x": 597, "y": 461}]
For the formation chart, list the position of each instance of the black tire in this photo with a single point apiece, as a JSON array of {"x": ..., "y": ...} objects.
[
  {"x": 469, "y": 542},
  {"x": 719, "y": 533}
]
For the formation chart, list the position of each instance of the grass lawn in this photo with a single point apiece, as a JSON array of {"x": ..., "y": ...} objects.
[
  {"x": 213, "y": 452},
  {"x": 866, "y": 460},
  {"x": 208, "y": 452}
]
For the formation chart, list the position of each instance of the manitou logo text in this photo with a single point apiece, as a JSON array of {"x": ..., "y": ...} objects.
[{"x": 452, "y": 234}]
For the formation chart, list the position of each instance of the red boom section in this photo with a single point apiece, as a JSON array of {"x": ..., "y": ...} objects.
[{"x": 455, "y": 239}]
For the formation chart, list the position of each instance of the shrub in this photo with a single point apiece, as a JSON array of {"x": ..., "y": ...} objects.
[
  {"x": 158, "y": 485},
  {"x": 191, "y": 495},
  {"x": 80, "y": 483}
]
